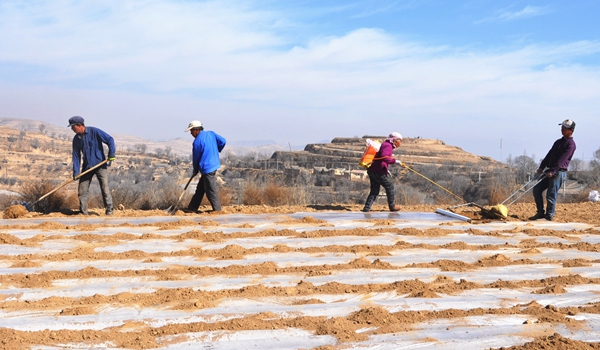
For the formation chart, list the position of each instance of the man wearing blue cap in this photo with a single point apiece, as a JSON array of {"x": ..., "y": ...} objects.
[
  {"x": 554, "y": 166},
  {"x": 87, "y": 143}
]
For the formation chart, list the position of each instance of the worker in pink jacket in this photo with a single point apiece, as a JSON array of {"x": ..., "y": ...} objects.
[{"x": 379, "y": 175}]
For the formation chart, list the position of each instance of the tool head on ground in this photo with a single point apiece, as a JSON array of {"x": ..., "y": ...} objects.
[
  {"x": 485, "y": 213},
  {"x": 499, "y": 210}
]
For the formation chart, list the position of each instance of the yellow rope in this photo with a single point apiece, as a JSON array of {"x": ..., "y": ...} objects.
[{"x": 433, "y": 182}]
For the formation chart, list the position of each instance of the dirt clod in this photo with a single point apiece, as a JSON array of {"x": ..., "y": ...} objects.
[{"x": 15, "y": 211}]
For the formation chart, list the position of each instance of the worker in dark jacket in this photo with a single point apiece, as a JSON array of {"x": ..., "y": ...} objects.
[
  {"x": 379, "y": 175},
  {"x": 554, "y": 168},
  {"x": 87, "y": 153}
]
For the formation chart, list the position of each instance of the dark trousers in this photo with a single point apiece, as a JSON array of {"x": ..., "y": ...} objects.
[
  {"x": 378, "y": 180},
  {"x": 84, "y": 189},
  {"x": 207, "y": 185}
]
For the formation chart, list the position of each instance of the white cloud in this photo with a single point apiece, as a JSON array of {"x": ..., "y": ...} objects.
[
  {"x": 508, "y": 15},
  {"x": 230, "y": 62},
  {"x": 527, "y": 12},
  {"x": 372, "y": 7}
]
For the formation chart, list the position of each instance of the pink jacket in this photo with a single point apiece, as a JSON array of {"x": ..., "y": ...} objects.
[{"x": 383, "y": 158}]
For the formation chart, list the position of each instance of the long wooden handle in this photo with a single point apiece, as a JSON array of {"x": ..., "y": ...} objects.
[{"x": 71, "y": 180}]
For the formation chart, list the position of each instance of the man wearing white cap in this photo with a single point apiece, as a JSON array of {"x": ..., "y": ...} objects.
[
  {"x": 205, "y": 153},
  {"x": 554, "y": 166}
]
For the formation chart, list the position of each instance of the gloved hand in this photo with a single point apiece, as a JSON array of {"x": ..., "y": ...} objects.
[
  {"x": 110, "y": 159},
  {"x": 402, "y": 165},
  {"x": 75, "y": 177}
]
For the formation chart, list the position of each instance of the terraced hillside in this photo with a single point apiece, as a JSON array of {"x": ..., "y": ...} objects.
[{"x": 344, "y": 152}]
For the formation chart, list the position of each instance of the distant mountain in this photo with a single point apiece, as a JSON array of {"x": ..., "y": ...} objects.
[
  {"x": 251, "y": 143},
  {"x": 180, "y": 146}
]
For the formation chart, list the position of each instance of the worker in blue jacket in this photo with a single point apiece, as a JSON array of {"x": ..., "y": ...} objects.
[
  {"x": 205, "y": 153},
  {"x": 87, "y": 153}
]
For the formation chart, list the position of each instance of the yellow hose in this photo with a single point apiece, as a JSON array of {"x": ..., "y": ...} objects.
[{"x": 433, "y": 182}]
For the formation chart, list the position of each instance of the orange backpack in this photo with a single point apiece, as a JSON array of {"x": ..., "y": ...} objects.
[{"x": 369, "y": 154}]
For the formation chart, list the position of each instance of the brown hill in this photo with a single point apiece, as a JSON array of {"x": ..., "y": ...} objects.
[{"x": 344, "y": 152}]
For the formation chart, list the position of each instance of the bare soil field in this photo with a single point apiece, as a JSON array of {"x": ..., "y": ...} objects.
[{"x": 304, "y": 277}]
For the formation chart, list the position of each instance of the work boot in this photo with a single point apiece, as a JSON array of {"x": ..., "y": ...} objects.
[
  {"x": 549, "y": 218},
  {"x": 395, "y": 208},
  {"x": 538, "y": 216},
  {"x": 365, "y": 210}
]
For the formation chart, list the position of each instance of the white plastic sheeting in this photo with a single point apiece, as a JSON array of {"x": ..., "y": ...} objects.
[{"x": 465, "y": 333}]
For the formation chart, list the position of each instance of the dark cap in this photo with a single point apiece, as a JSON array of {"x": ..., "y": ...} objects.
[{"x": 75, "y": 120}]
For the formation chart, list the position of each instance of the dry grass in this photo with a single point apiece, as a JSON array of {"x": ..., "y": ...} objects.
[
  {"x": 271, "y": 194},
  {"x": 252, "y": 195},
  {"x": 57, "y": 201},
  {"x": 277, "y": 195}
]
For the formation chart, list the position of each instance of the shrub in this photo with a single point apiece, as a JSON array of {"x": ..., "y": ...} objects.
[
  {"x": 224, "y": 197},
  {"x": 275, "y": 195},
  {"x": 127, "y": 195},
  {"x": 32, "y": 191},
  {"x": 252, "y": 195},
  {"x": 408, "y": 195},
  {"x": 8, "y": 200}
]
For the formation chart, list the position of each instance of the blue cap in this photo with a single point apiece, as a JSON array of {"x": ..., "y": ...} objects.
[{"x": 75, "y": 120}]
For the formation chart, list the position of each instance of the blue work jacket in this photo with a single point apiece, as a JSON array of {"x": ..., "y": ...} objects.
[
  {"x": 205, "y": 151},
  {"x": 89, "y": 145}
]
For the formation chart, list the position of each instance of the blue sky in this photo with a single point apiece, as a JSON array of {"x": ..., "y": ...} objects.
[{"x": 492, "y": 77}]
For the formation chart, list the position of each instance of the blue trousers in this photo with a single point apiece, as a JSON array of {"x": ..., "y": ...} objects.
[{"x": 551, "y": 185}]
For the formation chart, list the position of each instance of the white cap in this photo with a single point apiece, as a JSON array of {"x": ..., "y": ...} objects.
[
  {"x": 568, "y": 123},
  {"x": 193, "y": 124},
  {"x": 395, "y": 135}
]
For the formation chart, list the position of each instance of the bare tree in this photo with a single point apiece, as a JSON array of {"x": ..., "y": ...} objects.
[
  {"x": 525, "y": 166},
  {"x": 140, "y": 147},
  {"x": 575, "y": 165}
]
